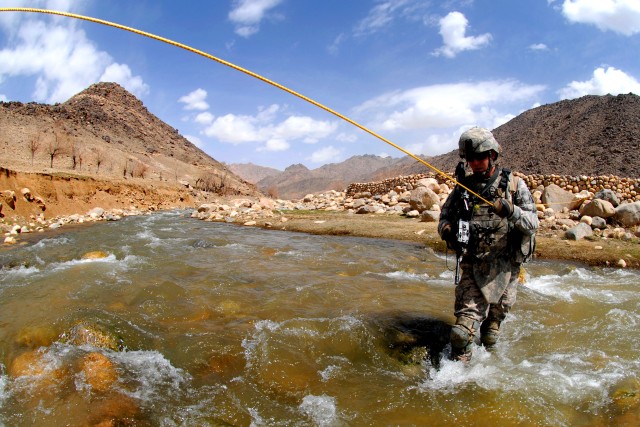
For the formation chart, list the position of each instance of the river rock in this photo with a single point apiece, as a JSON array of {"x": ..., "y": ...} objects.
[
  {"x": 43, "y": 372},
  {"x": 598, "y": 207},
  {"x": 628, "y": 214},
  {"x": 98, "y": 371},
  {"x": 95, "y": 255},
  {"x": 430, "y": 183},
  {"x": 36, "y": 336},
  {"x": 95, "y": 213},
  {"x": 94, "y": 335},
  {"x": 579, "y": 232},
  {"x": 422, "y": 198}
]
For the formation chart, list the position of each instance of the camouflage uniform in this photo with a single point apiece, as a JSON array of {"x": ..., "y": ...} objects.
[{"x": 491, "y": 264}]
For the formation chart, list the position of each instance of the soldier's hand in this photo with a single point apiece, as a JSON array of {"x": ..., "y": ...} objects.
[
  {"x": 446, "y": 233},
  {"x": 503, "y": 208}
]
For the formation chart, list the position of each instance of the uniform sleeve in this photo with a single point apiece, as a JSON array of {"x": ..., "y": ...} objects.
[
  {"x": 525, "y": 215},
  {"x": 447, "y": 213}
]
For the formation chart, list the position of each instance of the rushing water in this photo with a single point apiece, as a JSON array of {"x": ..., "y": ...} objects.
[{"x": 217, "y": 324}]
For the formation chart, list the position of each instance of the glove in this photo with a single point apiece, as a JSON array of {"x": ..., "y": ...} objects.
[
  {"x": 503, "y": 208},
  {"x": 446, "y": 233}
]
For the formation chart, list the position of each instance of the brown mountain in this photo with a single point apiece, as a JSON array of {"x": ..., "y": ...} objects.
[
  {"x": 251, "y": 172},
  {"x": 297, "y": 180},
  {"x": 106, "y": 132},
  {"x": 591, "y": 135}
]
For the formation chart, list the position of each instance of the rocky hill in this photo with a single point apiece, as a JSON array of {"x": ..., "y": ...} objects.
[
  {"x": 592, "y": 135},
  {"x": 105, "y": 132},
  {"x": 297, "y": 180}
]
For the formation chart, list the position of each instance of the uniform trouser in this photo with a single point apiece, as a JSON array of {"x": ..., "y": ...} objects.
[{"x": 472, "y": 304}]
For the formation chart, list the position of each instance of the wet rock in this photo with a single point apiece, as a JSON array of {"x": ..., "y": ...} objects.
[
  {"x": 94, "y": 335},
  {"x": 36, "y": 336},
  {"x": 43, "y": 372},
  {"x": 10, "y": 240},
  {"x": 95, "y": 255},
  {"x": 95, "y": 213},
  {"x": 98, "y": 371}
]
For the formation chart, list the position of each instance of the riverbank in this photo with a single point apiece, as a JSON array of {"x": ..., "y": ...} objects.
[
  {"x": 550, "y": 245},
  {"x": 71, "y": 200}
]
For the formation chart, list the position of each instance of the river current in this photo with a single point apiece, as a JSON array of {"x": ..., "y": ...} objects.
[{"x": 218, "y": 324}]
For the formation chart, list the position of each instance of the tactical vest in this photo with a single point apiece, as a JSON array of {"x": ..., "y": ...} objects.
[{"x": 491, "y": 236}]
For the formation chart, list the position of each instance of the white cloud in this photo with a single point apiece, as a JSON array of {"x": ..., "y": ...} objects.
[
  {"x": 275, "y": 144},
  {"x": 325, "y": 155},
  {"x": 205, "y": 118},
  {"x": 610, "y": 81},
  {"x": 60, "y": 58},
  {"x": 195, "y": 100},
  {"x": 3, "y": 98},
  {"x": 620, "y": 16},
  {"x": 247, "y": 15},
  {"x": 265, "y": 130},
  {"x": 446, "y": 105},
  {"x": 539, "y": 46},
  {"x": 453, "y": 28},
  {"x": 379, "y": 17},
  {"x": 305, "y": 128},
  {"x": 121, "y": 73},
  {"x": 233, "y": 129},
  {"x": 347, "y": 137}
]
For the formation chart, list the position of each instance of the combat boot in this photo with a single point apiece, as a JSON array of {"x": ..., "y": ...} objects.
[
  {"x": 463, "y": 334},
  {"x": 489, "y": 332}
]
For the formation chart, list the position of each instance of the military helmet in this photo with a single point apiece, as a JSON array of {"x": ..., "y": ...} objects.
[{"x": 477, "y": 140}]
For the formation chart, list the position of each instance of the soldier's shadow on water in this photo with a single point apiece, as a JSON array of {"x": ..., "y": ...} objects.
[{"x": 412, "y": 338}]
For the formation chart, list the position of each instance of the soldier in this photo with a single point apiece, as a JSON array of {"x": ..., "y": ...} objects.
[{"x": 491, "y": 240}]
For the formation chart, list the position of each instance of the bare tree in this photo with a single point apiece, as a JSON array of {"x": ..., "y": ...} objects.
[
  {"x": 34, "y": 146},
  {"x": 74, "y": 149},
  {"x": 99, "y": 159},
  {"x": 55, "y": 148}
]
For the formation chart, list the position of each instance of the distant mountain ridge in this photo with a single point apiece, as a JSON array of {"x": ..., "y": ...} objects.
[{"x": 591, "y": 135}]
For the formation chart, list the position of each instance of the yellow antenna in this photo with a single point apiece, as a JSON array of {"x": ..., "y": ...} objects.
[{"x": 250, "y": 73}]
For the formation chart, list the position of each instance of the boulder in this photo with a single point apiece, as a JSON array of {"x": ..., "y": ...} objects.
[
  {"x": 628, "y": 214},
  {"x": 598, "y": 207},
  {"x": 98, "y": 371},
  {"x": 430, "y": 183},
  {"x": 422, "y": 198},
  {"x": 26, "y": 194},
  {"x": 608, "y": 195},
  {"x": 557, "y": 198},
  {"x": 579, "y": 232},
  {"x": 430, "y": 216}
]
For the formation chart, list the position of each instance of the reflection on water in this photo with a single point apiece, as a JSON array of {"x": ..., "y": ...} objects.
[{"x": 183, "y": 322}]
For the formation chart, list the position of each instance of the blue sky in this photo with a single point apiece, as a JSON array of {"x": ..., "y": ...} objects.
[{"x": 418, "y": 72}]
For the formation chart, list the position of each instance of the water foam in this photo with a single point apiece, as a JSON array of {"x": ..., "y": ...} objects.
[{"x": 321, "y": 409}]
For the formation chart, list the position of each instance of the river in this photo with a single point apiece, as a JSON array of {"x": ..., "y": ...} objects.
[{"x": 210, "y": 324}]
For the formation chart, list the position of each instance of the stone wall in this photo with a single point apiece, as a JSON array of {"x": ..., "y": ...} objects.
[{"x": 627, "y": 189}]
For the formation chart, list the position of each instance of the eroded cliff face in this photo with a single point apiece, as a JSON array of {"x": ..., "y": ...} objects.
[{"x": 65, "y": 195}]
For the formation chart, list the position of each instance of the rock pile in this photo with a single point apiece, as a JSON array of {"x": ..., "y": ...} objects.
[{"x": 38, "y": 223}]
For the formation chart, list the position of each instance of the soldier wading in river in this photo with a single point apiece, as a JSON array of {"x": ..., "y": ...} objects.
[{"x": 490, "y": 241}]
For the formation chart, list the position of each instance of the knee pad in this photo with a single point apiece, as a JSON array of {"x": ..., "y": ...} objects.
[
  {"x": 490, "y": 331},
  {"x": 463, "y": 333}
]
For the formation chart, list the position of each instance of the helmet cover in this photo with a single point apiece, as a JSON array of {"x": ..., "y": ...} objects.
[{"x": 477, "y": 140}]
